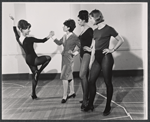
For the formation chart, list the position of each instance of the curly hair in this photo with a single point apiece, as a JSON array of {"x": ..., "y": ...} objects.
[
  {"x": 71, "y": 24},
  {"x": 23, "y": 24},
  {"x": 84, "y": 15},
  {"x": 97, "y": 15}
]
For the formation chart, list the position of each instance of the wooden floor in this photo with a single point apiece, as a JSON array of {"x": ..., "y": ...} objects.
[{"x": 127, "y": 103}]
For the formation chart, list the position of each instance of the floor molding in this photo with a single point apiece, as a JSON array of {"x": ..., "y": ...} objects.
[{"x": 45, "y": 76}]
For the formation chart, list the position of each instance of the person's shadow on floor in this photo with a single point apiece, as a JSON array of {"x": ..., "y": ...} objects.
[{"x": 126, "y": 58}]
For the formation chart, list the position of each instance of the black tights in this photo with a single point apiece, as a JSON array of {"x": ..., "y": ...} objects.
[
  {"x": 42, "y": 60},
  {"x": 105, "y": 63},
  {"x": 84, "y": 71}
]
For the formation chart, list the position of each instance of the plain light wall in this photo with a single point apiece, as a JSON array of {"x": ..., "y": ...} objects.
[
  {"x": 128, "y": 19},
  {"x": 12, "y": 59}
]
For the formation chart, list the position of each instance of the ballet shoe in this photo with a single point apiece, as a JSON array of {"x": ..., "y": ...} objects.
[
  {"x": 73, "y": 95},
  {"x": 64, "y": 100},
  {"x": 107, "y": 111},
  {"x": 34, "y": 97},
  {"x": 88, "y": 108},
  {"x": 83, "y": 106}
]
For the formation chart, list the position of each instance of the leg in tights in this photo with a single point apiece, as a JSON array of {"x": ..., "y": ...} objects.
[
  {"x": 34, "y": 82},
  {"x": 87, "y": 76},
  {"x": 94, "y": 74},
  {"x": 42, "y": 60},
  {"x": 83, "y": 75},
  {"x": 107, "y": 64}
]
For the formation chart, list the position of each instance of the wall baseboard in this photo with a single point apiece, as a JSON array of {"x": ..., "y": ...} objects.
[{"x": 26, "y": 76}]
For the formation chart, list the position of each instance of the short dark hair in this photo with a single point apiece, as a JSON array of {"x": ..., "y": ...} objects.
[
  {"x": 71, "y": 24},
  {"x": 23, "y": 24},
  {"x": 97, "y": 15},
  {"x": 84, "y": 15}
]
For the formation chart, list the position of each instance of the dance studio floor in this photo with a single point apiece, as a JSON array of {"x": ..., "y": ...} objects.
[{"x": 127, "y": 102}]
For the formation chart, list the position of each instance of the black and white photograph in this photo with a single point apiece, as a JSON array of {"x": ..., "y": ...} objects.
[{"x": 74, "y": 61}]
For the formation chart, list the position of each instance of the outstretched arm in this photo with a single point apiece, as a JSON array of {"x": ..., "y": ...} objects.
[
  {"x": 33, "y": 39},
  {"x": 17, "y": 33},
  {"x": 12, "y": 18},
  {"x": 58, "y": 42},
  {"x": 36, "y": 40}
]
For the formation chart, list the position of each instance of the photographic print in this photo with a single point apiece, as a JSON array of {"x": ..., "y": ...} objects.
[{"x": 74, "y": 61}]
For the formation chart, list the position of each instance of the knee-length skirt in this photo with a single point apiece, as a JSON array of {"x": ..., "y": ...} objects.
[{"x": 67, "y": 67}]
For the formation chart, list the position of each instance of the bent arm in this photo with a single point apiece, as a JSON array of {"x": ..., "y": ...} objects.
[
  {"x": 89, "y": 49},
  {"x": 78, "y": 43},
  {"x": 78, "y": 46},
  {"x": 120, "y": 42},
  {"x": 76, "y": 49}
]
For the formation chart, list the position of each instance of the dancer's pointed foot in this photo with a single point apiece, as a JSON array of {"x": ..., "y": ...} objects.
[
  {"x": 83, "y": 106},
  {"x": 107, "y": 111},
  {"x": 89, "y": 108},
  {"x": 34, "y": 97}
]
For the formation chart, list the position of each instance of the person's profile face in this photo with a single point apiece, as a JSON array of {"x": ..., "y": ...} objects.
[
  {"x": 26, "y": 31},
  {"x": 81, "y": 22},
  {"x": 91, "y": 19},
  {"x": 65, "y": 28}
]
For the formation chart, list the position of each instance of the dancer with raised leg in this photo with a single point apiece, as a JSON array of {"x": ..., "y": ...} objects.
[{"x": 26, "y": 41}]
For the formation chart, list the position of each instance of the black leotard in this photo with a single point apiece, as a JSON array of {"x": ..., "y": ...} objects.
[
  {"x": 86, "y": 40},
  {"x": 28, "y": 46}
]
